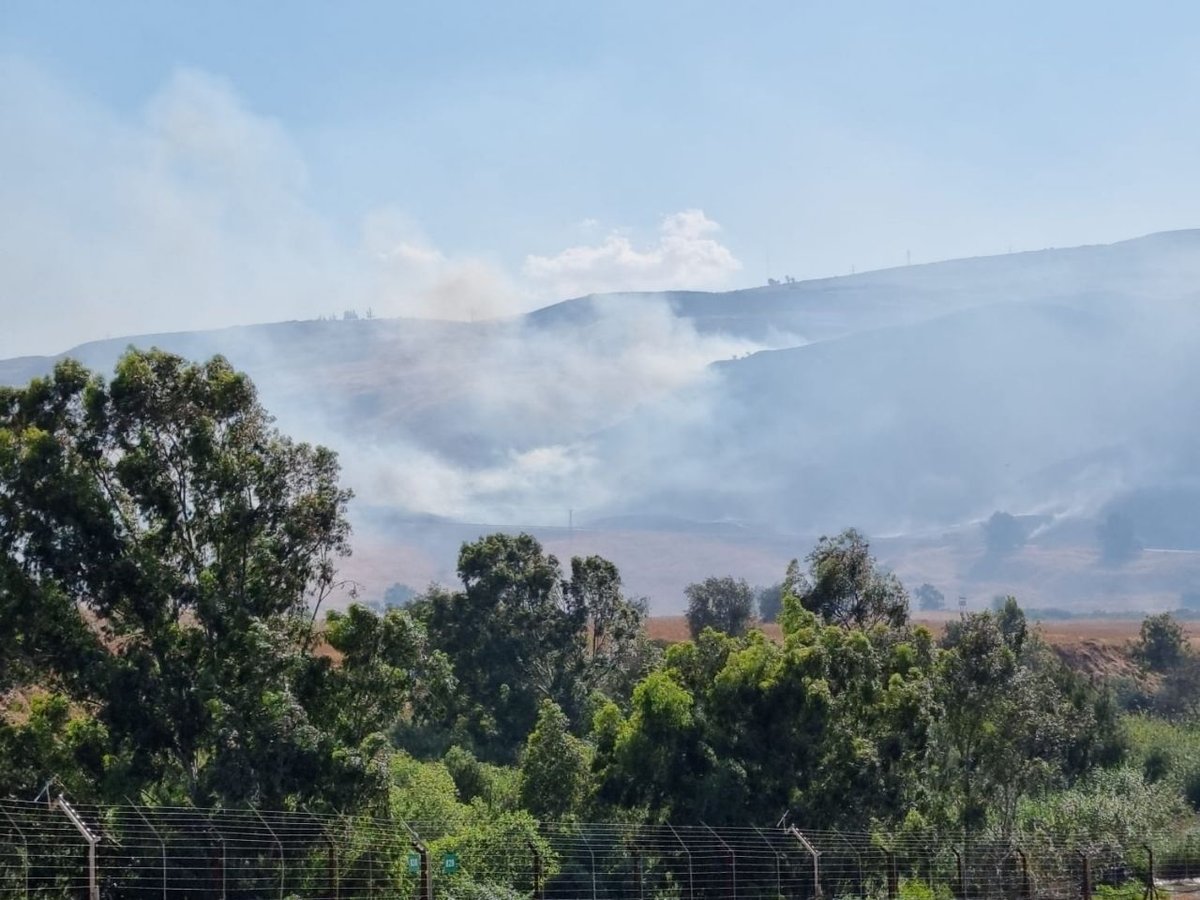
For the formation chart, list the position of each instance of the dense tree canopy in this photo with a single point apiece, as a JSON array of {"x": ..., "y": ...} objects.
[
  {"x": 180, "y": 545},
  {"x": 165, "y": 555}
]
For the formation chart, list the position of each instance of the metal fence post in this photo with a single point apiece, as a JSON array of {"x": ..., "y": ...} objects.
[
  {"x": 962, "y": 871},
  {"x": 279, "y": 844},
  {"x": 592, "y": 856},
  {"x": 691, "y": 887},
  {"x": 816, "y": 862},
  {"x": 88, "y": 835},
  {"x": 1151, "y": 888},
  {"x": 892, "y": 876},
  {"x": 778, "y": 861},
  {"x": 732, "y": 860},
  {"x": 425, "y": 890},
  {"x": 213, "y": 830},
  {"x": 162, "y": 845},
  {"x": 1086, "y": 882},
  {"x": 637, "y": 872}
]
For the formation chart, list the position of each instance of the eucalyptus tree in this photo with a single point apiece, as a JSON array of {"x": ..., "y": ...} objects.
[{"x": 163, "y": 549}]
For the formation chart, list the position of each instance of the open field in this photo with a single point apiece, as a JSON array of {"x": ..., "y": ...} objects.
[{"x": 1054, "y": 571}]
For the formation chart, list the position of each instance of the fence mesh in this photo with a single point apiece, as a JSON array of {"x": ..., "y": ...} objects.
[{"x": 52, "y": 850}]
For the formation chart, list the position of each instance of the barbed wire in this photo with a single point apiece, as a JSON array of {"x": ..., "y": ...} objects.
[{"x": 142, "y": 851}]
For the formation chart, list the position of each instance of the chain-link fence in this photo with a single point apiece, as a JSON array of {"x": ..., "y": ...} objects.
[{"x": 59, "y": 850}]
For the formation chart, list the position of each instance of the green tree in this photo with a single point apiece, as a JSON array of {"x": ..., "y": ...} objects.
[
  {"x": 162, "y": 512},
  {"x": 846, "y": 587},
  {"x": 618, "y": 651},
  {"x": 1013, "y": 720},
  {"x": 725, "y": 604},
  {"x": 386, "y": 672},
  {"x": 1162, "y": 644},
  {"x": 555, "y": 767},
  {"x": 512, "y": 637}
]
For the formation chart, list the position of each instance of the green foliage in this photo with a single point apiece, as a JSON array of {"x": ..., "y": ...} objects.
[
  {"x": 43, "y": 737},
  {"x": 425, "y": 792},
  {"x": 1191, "y": 789},
  {"x": 618, "y": 652},
  {"x": 519, "y": 632},
  {"x": 198, "y": 538},
  {"x": 387, "y": 670},
  {"x": 555, "y": 767},
  {"x": 723, "y": 604},
  {"x": 1130, "y": 890},
  {"x": 1162, "y": 644},
  {"x": 1114, "y": 805},
  {"x": 494, "y": 859},
  {"x": 1168, "y": 750},
  {"x": 164, "y": 553},
  {"x": 916, "y": 889},
  {"x": 846, "y": 587},
  {"x": 1014, "y": 721},
  {"x": 1157, "y": 765}
]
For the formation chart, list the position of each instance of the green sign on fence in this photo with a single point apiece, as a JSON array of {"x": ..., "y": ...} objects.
[
  {"x": 414, "y": 863},
  {"x": 450, "y": 863}
]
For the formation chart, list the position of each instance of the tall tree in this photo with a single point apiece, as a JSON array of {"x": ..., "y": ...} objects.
[
  {"x": 725, "y": 604},
  {"x": 164, "y": 514},
  {"x": 512, "y": 637},
  {"x": 618, "y": 651},
  {"x": 554, "y": 770},
  {"x": 845, "y": 585}
]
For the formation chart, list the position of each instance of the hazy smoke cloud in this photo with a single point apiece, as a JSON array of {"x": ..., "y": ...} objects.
[
  {"x": 501, "y": 423},
  {"x": 686, "y": 256},
  {"x": 194, "y": 212}
]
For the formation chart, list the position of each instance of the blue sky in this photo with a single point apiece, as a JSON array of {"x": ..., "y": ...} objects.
[{"x": 191, "y": 165}]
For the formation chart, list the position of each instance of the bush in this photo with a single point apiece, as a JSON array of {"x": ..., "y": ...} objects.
[
  {"x": 1191, "y": 789},
  {"x": 1157, "y": 765},
  {"x": 1130, "y": 890},
  {"x": 1162, "y": 644},
  {"x": 1114, "y": 805}
]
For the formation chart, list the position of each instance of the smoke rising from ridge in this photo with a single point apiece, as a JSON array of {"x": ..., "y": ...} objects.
[{"x": 195, "y": 212}]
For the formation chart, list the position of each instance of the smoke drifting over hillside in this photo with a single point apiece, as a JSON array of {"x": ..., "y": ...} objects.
[
  {"x": 1056, "y": 383},
  {"x": 194, "y": 211},
  {"x": 501, "y": 423}
]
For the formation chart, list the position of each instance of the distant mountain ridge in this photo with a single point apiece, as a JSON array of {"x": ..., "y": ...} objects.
[{"x": 903, "y": 400}]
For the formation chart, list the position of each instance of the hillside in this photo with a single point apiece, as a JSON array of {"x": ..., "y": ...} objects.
[{"x": 685, "y": 433}]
